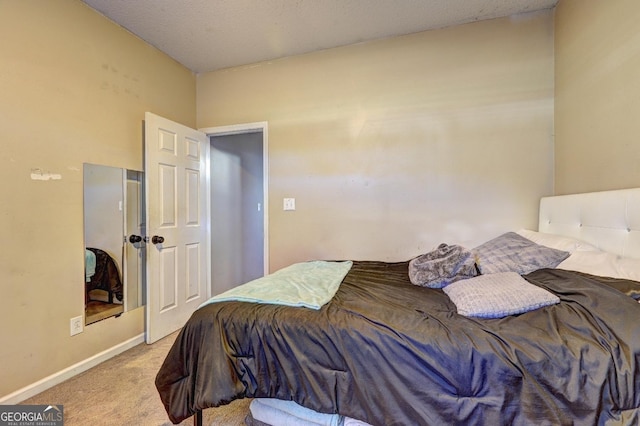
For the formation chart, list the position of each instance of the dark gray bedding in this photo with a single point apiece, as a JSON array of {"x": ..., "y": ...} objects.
[{"x": 391, "y": 353}]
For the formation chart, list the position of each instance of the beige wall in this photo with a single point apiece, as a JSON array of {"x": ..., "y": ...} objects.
[
  {"x": 597, "y": 92},
  {"x": 73, "y": 89},
  {"x": 391, "y": 147}
]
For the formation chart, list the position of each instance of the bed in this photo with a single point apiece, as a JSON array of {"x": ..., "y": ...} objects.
[{"x": 385, "y": 351}]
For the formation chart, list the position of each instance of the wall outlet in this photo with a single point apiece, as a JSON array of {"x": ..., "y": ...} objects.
[{"x": 76, "y": 325}]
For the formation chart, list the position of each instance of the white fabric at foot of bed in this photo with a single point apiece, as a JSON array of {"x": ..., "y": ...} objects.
[
  {"x": 348, "y": 421},
  {"x": 277, "y": 412},
  {"x": 287, "y": 413}
]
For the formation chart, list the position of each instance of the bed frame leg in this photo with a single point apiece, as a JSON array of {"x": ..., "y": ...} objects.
[{"x": 197, "y": 418}]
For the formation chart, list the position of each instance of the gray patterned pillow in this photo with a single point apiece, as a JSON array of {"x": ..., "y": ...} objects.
[
  {"x": 497, "y": 295},
  {"x": 511, "y": 252}
]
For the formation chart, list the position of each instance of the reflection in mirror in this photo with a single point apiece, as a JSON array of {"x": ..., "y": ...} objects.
[
  {"x": 113, "y": 215},
  {"x": 134, "y": 245}
]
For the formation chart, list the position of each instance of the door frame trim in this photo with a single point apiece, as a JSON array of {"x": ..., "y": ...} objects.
[{"x": 235, "y": 129}]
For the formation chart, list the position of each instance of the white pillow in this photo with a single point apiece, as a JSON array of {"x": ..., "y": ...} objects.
[
  {"x": 497, "y": 295},
  {"x": 556, "y": 241},
  {"x": 602, "y": 264}
]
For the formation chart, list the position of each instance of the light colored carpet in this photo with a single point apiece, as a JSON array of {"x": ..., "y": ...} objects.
[{"x": 121, "y": 391}]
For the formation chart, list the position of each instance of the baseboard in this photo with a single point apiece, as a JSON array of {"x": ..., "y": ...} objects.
[{"x": 62, "y": 375}]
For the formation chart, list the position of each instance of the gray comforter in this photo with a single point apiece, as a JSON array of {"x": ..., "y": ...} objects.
[{"x": 391, "y": 353}]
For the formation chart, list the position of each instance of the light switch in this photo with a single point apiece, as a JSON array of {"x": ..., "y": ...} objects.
[{"x": 289, "y": 204}]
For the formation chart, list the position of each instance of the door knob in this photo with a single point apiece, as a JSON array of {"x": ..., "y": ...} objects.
[
  {"x": 135, "y": 239},
  {"x": 156, "y": 239}
]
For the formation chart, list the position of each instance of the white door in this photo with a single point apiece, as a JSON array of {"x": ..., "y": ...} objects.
[{"x": 177, "y": 211}]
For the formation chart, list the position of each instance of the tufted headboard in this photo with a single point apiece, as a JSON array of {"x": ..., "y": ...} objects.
[{"x": 609, "y": 220}]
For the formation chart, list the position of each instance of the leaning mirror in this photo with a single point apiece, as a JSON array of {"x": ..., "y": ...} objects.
[{"x": 114, "y": 246}]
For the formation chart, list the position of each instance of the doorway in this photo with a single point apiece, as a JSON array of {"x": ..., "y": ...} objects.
[
  {"x": 180, "y": 224},
  {"x": 237, "y": 175}
]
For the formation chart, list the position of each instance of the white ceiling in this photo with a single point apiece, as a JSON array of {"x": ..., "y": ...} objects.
[{"x": 206, "y": 35}]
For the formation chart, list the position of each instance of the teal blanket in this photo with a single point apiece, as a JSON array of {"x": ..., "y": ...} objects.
[
  {"x": 307, "y": 284},
  {"x": 89, "y": 264}
]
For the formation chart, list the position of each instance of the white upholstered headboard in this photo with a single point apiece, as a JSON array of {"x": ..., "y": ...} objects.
[{"x": 609, "y": 220}]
